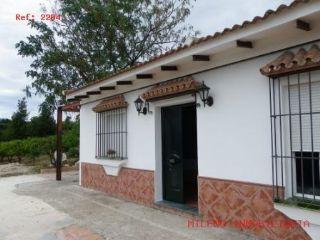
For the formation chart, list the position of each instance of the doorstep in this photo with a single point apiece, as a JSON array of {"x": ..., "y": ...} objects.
[{"x": 177, "y": 208}]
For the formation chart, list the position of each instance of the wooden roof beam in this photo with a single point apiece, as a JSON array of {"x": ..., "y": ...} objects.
[
  {"x": 107, "y": 88},
  {"x": 144, "y": 76},
  {"x": 93, "y": 93},
  {"x": 72, "y": 100},
  {"x": 124, "y": 83},
  {"x": 244, "y": 44},
  {"x": 169, "y": 68},
  {"x": 81, "y": 96},
  {"x": 200, "y": 58},
  {"x": 303, "y": 25}
]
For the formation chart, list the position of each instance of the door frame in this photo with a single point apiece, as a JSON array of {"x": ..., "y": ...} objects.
[{"x": 158, "y": 175}]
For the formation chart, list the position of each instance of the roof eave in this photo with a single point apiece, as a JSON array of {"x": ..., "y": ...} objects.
[{"x": 215, "y": 43}]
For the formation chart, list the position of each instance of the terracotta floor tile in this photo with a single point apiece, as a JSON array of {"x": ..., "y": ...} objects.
[{"x": 75, "y": 232}]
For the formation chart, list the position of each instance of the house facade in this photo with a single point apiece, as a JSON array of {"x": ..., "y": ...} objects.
[{"x": 226, "y": 127}]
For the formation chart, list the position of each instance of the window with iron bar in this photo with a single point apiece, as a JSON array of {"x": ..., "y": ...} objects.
[
  {"x": 111, "y": 134},
  {"x": 295, "y": 136}
]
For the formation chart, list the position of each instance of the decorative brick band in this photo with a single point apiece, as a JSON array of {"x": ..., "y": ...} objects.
[
  {"x": 111, "y": 103},
  {"x": 290, "y": 62},
  {"x": 131, "y": 184},
  {"x": 171, "y": 88},
  {"x": 232, "y": 201}
]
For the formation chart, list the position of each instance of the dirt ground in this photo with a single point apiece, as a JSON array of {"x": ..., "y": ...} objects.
[
  {"x": 36, "y": 207},
  {"x": 14, "y": 169}
]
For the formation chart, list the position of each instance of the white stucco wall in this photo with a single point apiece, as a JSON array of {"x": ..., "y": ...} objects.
[
  {"x": 140, "y": 139},
  {"x": 233, "y": 135}
]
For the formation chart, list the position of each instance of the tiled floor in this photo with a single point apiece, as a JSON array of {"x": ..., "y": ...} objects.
[{"x": 75, "y": 232}]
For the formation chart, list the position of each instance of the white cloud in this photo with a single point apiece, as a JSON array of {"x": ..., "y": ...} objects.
[
  {"x": 12, "y": 66},
  {"x": 210, "y": 16},
  {"x": 9, "y": 92}
]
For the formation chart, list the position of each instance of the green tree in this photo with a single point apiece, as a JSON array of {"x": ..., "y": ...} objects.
[
  {"x": 70, "y": 139},
  {"x": 44, "y": 124},
  {"x": 98, "y": 37},
  {"x": 67, "y": 123},
  {"x": 18, "y": 126},
  {"x": 4, "y": 129}
]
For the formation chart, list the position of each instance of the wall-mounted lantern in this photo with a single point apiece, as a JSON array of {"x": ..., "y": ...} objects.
[
  {"x": 204, "y": 95},
  {"x": 142, "y": 106}
]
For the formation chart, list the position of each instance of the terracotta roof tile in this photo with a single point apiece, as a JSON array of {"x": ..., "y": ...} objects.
[
  {"x": 170, "y": 88},
  {"x": 313, "y": 54},
  {"x": 111, "y": 103},
  {"x": 290, "y": 62},
  {"x": 199, "y": 41},
  {"x": 298, "y": 58}
]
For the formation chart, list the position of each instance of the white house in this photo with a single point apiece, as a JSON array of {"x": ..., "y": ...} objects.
[{"x": 228, "y": 126}]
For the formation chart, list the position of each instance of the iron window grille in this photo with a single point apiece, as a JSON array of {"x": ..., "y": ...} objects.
[
  {"x": 111, "y": 134},
  {"x": 295, "y": 136}
]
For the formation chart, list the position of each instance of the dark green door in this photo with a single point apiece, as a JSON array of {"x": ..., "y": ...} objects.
[{"x": 172, "y": 154}]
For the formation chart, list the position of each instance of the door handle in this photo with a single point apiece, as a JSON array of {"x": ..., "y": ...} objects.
[
  {"x": 172, "y": 161},
  {"x": 176, "y": 156}
]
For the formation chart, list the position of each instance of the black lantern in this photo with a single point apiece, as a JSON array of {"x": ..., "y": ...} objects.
[
  {"x": 204, "y": 95},
  {"x": 140, "y": 106}
]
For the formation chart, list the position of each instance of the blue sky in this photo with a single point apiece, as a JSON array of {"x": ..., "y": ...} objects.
[{"x": 208, "y": 16}]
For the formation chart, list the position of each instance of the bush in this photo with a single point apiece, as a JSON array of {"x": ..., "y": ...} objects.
[
  {"x": 70, "y": 141},
  {"x": 35, "y": 147}
]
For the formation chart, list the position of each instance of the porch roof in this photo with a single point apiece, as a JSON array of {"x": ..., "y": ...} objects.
[{"x": 290, "y": 62}]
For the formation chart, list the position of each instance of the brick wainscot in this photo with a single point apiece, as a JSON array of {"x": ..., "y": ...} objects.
[
  {"x": 131, "y": 184},
  {"x": 233, "y": 201},
  {"x": 224, "y": 200}
]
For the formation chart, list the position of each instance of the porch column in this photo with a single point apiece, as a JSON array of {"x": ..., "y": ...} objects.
[{"x": 59, "y": 144}]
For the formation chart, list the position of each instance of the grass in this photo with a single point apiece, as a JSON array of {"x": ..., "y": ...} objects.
[{"x": 303, "y": 203}]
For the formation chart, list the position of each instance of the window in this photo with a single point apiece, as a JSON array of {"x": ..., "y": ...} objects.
[
  {"x": 111, "y": 134},
  {"x": 295, "y": 133},
  {"x": 305, "y": 100},
  {"x": 307, "y": 173}
]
